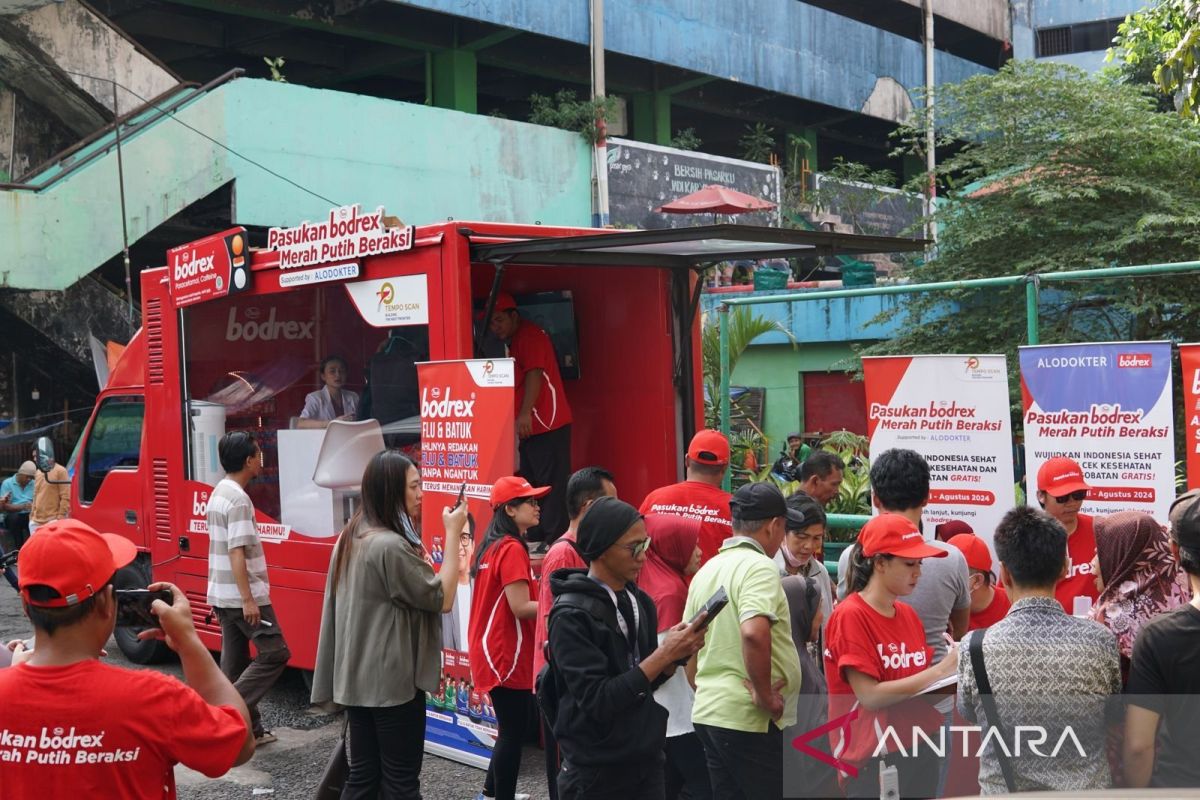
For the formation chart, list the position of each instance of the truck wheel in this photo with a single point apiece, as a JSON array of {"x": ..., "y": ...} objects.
[{"x": 150, "y": 651}]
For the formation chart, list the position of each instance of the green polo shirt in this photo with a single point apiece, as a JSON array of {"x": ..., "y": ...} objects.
[{"x": 752, "y": 581}]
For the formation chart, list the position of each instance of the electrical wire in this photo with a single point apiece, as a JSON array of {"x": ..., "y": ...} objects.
[{"x": 146, "y": 103}]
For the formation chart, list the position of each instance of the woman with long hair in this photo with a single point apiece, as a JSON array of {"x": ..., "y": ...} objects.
[
  {"x": 1136, "y": 576},
  {"x": 380, "y": 644},
  {"x": 671, "y": 561},
  {"x": 876, "y": 658},
  {"x": 500, "y": 632}
]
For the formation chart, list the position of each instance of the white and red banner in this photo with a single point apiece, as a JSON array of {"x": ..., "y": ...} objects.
[
  {"x": 953, "y": 410},
  {"x": 1108, "y": 406},
  {"x": 467, "y": 438},
  {"x": 1189, "y": 365}
]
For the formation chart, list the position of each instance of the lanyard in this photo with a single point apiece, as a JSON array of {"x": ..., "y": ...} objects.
[{"x": 634, "y": 656}]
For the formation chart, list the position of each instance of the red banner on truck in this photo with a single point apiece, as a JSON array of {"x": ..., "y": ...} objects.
[
  {"x": 467, "y": 440},
  {"x": 214, "y": 266}
]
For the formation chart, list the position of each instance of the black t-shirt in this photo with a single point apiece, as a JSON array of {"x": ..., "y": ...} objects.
[{"x": 1164, "y": 677}]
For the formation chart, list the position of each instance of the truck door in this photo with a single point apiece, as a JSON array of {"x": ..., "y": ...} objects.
[{"x": 107, "y": 480}]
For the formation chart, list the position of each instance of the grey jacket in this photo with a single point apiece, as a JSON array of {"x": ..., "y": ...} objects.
[{"x": 381, "y": 630}]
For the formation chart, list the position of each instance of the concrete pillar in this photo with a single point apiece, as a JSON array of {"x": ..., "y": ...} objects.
[
  {"x": 8, "y": 107},
  {"x": 652, "y": 117},
  {"x": 454, "y": 80}
]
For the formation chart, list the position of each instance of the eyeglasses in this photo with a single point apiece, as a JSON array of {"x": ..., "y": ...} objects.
[
  {"x": 638, "y": 548},
  {"x": 533, "y": 501},
  {"x": 1078, "y": 497}
]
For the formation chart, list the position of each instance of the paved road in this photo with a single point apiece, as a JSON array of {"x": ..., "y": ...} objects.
[{"x": 291, "y": 767}]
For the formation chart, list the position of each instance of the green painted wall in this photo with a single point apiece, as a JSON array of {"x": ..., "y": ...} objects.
[
  {"x": 775, "y": 367},
  {"x": 423, "y": 164}
]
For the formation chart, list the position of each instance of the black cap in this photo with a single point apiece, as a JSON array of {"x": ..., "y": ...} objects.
[
  {"x": 758, "y": 501},
  {"x": 1185, "y": 520}
]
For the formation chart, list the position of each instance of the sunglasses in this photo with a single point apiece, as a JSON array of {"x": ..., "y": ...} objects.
[
  {"x": 638, "y": 548},
  {"x": 1078, "y": 497}
]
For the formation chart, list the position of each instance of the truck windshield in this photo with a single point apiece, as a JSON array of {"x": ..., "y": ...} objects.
[{"x": 281, "y": 366}]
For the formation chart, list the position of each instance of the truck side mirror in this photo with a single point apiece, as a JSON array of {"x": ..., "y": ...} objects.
[{"x": 45, "y": 453}]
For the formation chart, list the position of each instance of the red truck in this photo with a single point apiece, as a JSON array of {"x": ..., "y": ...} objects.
[{"x": 231, "y": 337}]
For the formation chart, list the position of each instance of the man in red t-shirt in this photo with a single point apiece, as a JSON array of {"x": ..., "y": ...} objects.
[
  {"x": 584, "y": 488},
  {"x": 700, "y": 496},
  {"x": 543, "y": 413},
  {"x": 76, "y": 727},
  {"x": 1061, "y": 492},
  {"x": 989, "y": 601}
]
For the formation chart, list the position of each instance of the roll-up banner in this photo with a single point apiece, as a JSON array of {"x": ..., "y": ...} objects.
[
  {"x": 1108, "y": 406},
  {"x": 1189, "y": 364},
  {"x": 953, "y": 410},
  {"x": 466, "y": 439}
]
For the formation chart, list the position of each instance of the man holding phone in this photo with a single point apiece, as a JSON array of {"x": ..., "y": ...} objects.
[
  {"x": 748, "y": 677},
  {"x": 605, "y": 662},
  {"x": 238, "y": 589},
  {"x": 83, "y": 728}
]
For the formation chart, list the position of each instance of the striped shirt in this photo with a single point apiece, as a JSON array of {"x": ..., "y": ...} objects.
[{"x": 230, "y": 525}]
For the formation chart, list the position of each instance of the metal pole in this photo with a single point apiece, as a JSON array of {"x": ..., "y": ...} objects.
[
  {"x": 16, "y": 397},
  {"x": 1031, "y": 309},
  {"x": 723, "y": 322},
  {"x": 600, "y": 150},
  {"x": 930, "y": 140},
  {"x": 121, "y": 186}
]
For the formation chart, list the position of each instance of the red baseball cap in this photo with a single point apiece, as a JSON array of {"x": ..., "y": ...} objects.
[
  {"x": 975, "y": 549},
  {"x": 73, "y": 559},
  {"x": 895, "y": 535},
  {"x": 505, "y": 302},
  {"x": 1060, "y": 476},
  {"x": 515, "y": 487},
  {"x": 709, "y": 447}
]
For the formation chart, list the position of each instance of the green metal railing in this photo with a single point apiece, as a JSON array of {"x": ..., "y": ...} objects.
[{"x": 1032, "y": 284}]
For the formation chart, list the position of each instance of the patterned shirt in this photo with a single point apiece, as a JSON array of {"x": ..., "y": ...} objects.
[
  {"x": 1056, "y": 673},
  {"x": 230, "y": 525}
]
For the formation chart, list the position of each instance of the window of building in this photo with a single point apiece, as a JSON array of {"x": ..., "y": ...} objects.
[{"x": 1083, "y": 37}]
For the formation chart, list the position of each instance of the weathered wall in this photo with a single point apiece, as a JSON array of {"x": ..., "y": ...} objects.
[
  {"x": 424, "y": 164},
  {"x": 38, "y": 135},
  {"x": 82, "y": 43},
  {"x": 782, "y": 45},
  {"x": 986, "y": 16}
]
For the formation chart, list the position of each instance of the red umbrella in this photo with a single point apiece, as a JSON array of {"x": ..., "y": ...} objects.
[{"x": 715, "y": 199}]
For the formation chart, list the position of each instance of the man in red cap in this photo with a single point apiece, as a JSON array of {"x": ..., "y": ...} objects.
[
  {"x": 989, "y": 601},
  {"x": 543, "y": 413},
  {"x": 76, "y": 727},
  {"x": 1061, "y": 492},
  {"x": 700, "y": 496}
]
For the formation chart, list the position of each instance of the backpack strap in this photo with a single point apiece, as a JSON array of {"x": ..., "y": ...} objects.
[{"x": 989, "y": 706}]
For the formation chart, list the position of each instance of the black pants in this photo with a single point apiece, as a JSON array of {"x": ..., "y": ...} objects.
[
  {"x": 546, "y": 461},
  {"x": 630, "y": 781},
  {"x": 252, "y": 678},
  {"x": 918, "y": 775},
  {"x": 387, "y": 746},
  {"x": 512, "y": 714},
  {"x": 743, "y": 765},
  {"x": 17, "y": 525},
  {"x": 686, "y": 769},
  {"x": 553, "y": 760}
]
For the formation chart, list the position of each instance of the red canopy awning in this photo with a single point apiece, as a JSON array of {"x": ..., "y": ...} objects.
[{"x": 715, "y": 199}]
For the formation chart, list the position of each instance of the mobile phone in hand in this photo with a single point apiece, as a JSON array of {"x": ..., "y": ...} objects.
[
  {"x": 712, "y": 606},
  {"x": 133, "y": 606}
]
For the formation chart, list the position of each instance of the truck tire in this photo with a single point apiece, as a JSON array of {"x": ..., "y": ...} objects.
[{"x": 150, "y": 651}]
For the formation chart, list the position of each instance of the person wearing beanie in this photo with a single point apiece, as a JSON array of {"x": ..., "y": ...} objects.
[
  {"x": 605, "y": 661},
  {"x": 700, "y": 496},
  {"x": 1061, "y": 490},
  {"x": 748, "y": 677}
]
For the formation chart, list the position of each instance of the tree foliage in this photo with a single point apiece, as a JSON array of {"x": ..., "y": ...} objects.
[
  {"x": 1059, "y": 171},
  {"x": 1150, "y": 45}
]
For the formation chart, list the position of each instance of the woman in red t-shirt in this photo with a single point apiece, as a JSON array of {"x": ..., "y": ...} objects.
[
  {"x": 876, "y": 658},
  {"x": 500, "y": 633}
]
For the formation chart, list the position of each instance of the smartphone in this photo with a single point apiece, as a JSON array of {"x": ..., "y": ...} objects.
[
  {"x": 133, "y": 606},
  {"x": 462, "y": 495},
  {"x": 713, "y": 606}
]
